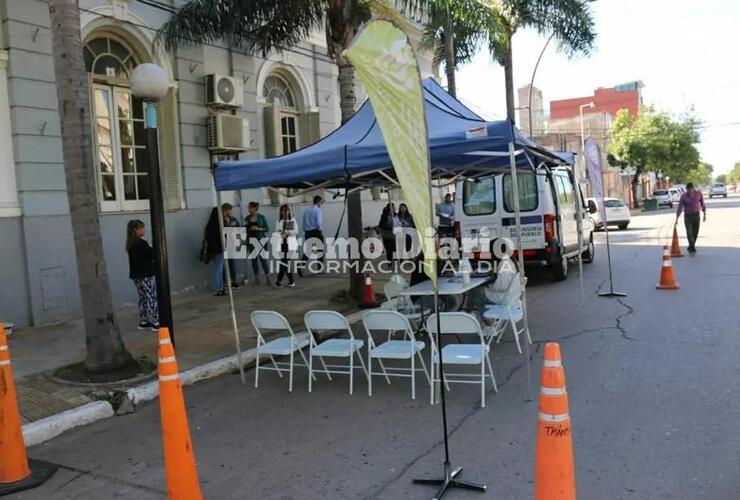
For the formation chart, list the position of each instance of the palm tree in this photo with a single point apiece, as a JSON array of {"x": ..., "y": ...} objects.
[
  {"x": 261, "y": 26},
  {"x": 569, "y": 21},
  {"x": 105, "y": 349},
  {"x": 455, "y": 31}
]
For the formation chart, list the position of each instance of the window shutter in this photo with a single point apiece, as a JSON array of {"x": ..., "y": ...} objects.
[
  {"x": 169, "y": 151},
  {"x": 309, "y": 128},
  {"x": 271, "y": 124}
]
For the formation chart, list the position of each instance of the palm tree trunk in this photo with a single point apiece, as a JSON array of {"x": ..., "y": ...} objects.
[
  {"x": 347, "y": 102},
  {"x": 449, "y": 50},
  {"x": 508, "y": 63},
  {"x": 105, "y": 349}
]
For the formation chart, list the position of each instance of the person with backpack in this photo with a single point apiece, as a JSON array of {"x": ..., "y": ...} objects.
[{"x": 141, "y": 271}]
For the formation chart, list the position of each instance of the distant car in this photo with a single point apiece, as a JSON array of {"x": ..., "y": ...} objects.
[
  {"x": 617, "y": 213},
  {"x": 718, "y": 190},
  {"x": 663, "y": 197},
  {"x": 675, "y": 194}
]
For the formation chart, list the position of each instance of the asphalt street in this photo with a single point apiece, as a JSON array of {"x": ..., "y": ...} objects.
[{"x": 652, "y": 378}]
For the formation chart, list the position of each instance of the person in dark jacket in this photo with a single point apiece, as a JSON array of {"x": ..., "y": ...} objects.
[
  {"x": 215, "y": 250},
  {"x": 385, "y": 228},
  {"x": 141, "y": 271}
]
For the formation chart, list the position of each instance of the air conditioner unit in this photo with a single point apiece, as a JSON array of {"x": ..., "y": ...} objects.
[
  {"x": 227, "y": 133},
  {"x": 224, "y": 91}
]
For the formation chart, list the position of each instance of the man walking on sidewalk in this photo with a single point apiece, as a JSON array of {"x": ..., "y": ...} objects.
[
  {"x": 691, "y": 203},
  {"x": 313, "y": 228}
]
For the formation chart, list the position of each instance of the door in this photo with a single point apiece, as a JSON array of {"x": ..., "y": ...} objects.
[{"x": 567, "y": 212}]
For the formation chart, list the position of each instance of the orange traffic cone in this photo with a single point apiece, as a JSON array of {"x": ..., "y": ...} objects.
[
  {"x": 16, "y": 473},
  {"x": 667, "y": 278},
  {"x": 675, "y": 247},
  {"x": 555, "y": 477},
  {"x": 179, "y": 459},
  {"x": 368, "y": 294}
]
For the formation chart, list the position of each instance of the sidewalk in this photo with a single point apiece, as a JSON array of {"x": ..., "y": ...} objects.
[{"x": 203, "y": 333}]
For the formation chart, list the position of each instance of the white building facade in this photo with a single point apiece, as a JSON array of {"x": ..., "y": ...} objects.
[{"x": 290, "y": 99}]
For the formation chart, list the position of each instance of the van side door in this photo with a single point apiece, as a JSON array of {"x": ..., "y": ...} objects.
[{"x": 567, "y": 211}]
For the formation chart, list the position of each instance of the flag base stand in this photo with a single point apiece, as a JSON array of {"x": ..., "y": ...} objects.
[
  {"x": 449, "y": 481},
  {"x": 612, "y": 294}
]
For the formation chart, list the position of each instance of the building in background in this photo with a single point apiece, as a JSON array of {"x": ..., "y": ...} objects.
[
  {"x": 271, "y": 105},
  {"x": 606, "y": 100},
  {"x": 537, "y": 110}
]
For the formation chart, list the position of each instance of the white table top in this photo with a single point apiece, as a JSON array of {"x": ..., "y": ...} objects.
[{"x": 447, "y": 286}]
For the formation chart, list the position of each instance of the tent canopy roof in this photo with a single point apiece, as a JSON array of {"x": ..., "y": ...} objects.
[{"x": 460, "y": 142}]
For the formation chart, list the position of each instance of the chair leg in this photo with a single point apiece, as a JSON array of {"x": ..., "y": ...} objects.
[
  {"x": 516, "y": 333},
  {"x": 370, "y": 378},
  {"x": 257, "y": 370},
  {"x": 413, "y": 378},
  {"x": 526, "y": 330},
  {"x": 351, "y": 371},
  {"x": 306, "y": 361},
  {"x": 310, "y": 371},
  {"x": 290, "y": 377},
  {"x": 424, "y": 366},
  {"x": 276, "y": 366},
  {"x": 326, "y": 370},
  {"x": 483, "y": 381},
  {"x": 493, "y": 377},
  {"x": 364, "y": 369},
  {"x": 385, "y": 373}
]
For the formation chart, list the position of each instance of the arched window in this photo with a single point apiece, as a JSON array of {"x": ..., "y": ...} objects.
[
  {"x": 277, "y": 91},
  {"x": 281, "y": 116},
  {"x": 118, "y": 126}
]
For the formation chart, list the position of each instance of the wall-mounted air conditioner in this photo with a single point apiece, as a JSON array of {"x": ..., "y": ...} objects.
[
  {"x": 227, "y": 133},
  {"x": 224, "y": 91}
]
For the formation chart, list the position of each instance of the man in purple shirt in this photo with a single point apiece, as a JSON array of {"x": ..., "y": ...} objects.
[{"x": 691, "y": 203}]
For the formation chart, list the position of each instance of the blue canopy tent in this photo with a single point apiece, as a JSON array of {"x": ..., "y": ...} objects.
[{"x": 461, "y": 144}]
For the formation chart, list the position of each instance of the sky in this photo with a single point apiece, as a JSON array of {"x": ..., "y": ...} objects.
[{"x": 687, "y": 54}]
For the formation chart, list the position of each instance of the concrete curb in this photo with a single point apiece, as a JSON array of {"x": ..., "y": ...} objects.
[
  {"x": 42, "y": 430},
  {"x": 47, "y": 428}
]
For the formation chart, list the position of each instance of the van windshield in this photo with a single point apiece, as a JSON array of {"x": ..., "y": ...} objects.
[
  {"x": 527, "y": 191},
  {"x": 479, "y": 196}
]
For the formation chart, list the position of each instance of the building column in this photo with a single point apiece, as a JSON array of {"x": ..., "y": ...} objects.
[{"x": 9, "y": 206}]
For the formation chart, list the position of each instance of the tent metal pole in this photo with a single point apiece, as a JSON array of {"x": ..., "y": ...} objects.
[
  {"x": 520, "y": 255},
  {"x": 237, "y": 341}
]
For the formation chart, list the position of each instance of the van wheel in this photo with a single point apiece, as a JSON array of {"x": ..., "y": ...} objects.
[
  {"x": 560, "y": 270},
  {"x": 588, "y": 255}
]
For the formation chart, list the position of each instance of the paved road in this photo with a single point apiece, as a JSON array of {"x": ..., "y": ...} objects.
[{"x": 653, "y": 382}]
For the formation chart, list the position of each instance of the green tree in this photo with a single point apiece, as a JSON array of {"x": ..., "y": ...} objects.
[
  {"x": 570, "y": 22},
  {"x": 455, "y": 31},
  {"x": 105, "y": 349},
  {"x": 721, "y": 178},
  {"x": 654, "y": 142},
  {"x": 734, "y": 175},
  {"x": 700, "y": 176},
  {"x": 262, "y": 26}
]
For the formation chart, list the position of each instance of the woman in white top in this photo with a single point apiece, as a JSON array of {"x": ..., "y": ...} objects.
[{"x": 287, "y": 228}]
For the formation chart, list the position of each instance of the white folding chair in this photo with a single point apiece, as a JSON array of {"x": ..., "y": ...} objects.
[
  {"x": 509, "y": 311},
  {"x": 333, "y": 348},
  {"x": 282, "y": 346},
  {"x": 408, "y": 348},
  {"x": 402, "y": 303},
  {"x": 460, "y": 323}
]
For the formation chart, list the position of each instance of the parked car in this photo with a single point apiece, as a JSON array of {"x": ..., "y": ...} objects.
[
  {"x": 675, "y": 194},
  {"x": 617, "y": 213},
  {"x": 718, "y": 189},
  {"x": 547, "y": 201},
  {"x": 663, "y": 197}
]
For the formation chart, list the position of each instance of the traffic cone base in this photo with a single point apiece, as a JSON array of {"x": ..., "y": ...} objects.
[
  {"x": 675, "y": 247},
  {"x": 41, "y": 471},
  {"x": 667, "y": 278},
  {"x": 368, "y": 294}
]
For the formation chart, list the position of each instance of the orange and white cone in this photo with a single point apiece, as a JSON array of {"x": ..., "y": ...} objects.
[
  {"x": 667, "y": 278},
  {"x": 675, "y": 247},
  {"x": 16, "y": 473},
  {"x": 368, "y": 293},
  {"x": 179, "y": 458},
  {"x": 555, "y": 477}
]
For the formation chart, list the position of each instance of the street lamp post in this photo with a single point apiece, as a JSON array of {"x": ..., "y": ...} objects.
[{"x": 150, "y": 83}]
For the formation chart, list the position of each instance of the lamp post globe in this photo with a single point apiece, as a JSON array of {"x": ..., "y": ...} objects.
[{"x": 149, "y": 82}]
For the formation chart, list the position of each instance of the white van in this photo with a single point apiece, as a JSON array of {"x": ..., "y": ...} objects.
[{"x": 485, "y": 211}]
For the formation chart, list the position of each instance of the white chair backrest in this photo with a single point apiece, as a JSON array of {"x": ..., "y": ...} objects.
[
  {"x": 455, "y": 323},
  {"x": 269, "y": 320},
  {"x": 326, "y": 320},
  {"x": 393, "y": 289},
  {"x": 385, "y": 320}
]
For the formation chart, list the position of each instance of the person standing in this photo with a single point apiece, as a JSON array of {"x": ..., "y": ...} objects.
[
  {"x": 313, "y": 227},
  {"x": 230, "y": 221},
  {"x": 214, "y": 250},
  {"x": 385, "y": 228},
  {"x": 691, "y": 203},
  {"x": 256, "y": 231},
  {"x": 405, "y": 221},
  {"x": 287, "y": 229},
  {"x": 141, "y": 271},
  {"x": 446, "y": 214}
]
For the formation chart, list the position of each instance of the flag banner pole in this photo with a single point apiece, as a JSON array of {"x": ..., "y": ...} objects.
[
  {"x": 592, "y": 154},
  {"x": 385, "y": 63}
]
